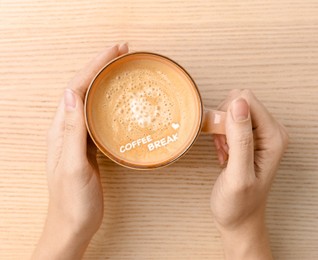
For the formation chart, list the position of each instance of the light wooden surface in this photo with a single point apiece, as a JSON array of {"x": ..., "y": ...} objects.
[{"x": 270, "y": 47}]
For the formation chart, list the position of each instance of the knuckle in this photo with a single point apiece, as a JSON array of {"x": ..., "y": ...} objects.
[
  {"x": 69, "y": 127},
  {"x": 71, "y": 169},
  {"x": 280, "y": 140},
  {"x": 243, "y": 186},
  {"x": 245, "y": 140}
]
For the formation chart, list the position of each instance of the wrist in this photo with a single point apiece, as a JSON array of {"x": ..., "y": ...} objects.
[
  {"x": 59, "y": 241},
  {"x": 249, "y": 241}
]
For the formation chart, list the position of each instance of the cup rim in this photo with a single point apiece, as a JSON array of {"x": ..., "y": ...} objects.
[{"x": 115, "y": 158}]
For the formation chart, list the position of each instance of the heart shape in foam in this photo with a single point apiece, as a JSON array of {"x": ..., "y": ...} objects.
[{"x": 175, "y": 126}]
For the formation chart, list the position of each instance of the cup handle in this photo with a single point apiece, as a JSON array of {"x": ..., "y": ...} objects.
[{"x": 213, "y": 121}]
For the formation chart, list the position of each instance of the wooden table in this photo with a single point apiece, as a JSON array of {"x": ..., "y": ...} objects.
[{"x": 270, "y": 47}]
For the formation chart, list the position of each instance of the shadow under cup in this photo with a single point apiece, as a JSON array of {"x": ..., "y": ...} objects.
[{"x": 143, "y": 110}]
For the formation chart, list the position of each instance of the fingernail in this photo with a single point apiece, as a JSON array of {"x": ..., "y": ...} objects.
[
  {"x": 123, "y": 47},
  {"x": 69, "y": 100},
  {"x": 239, "y": 110},
  {"x": 115, "y": 46}
]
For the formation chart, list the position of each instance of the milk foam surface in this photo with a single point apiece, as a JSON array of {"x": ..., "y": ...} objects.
[{"x": 142, "y": 98}]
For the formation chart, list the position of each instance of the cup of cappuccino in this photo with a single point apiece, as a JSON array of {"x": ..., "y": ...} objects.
[{"x": 144, "y": 111}]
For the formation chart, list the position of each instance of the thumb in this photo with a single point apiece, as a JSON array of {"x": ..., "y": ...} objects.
[
  {"x": 239, "y": 136},
  {"x": 75, "y": 134}
]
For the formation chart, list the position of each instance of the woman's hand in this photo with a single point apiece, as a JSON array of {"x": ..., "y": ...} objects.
[
  {"x": 75, "y": 209},
  {"x": 255, "y": 143}
]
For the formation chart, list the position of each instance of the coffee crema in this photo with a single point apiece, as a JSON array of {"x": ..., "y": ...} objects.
[{"x": 146, "y": 110}]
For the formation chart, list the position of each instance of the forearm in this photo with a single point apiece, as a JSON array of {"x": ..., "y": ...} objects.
[
  {"x": 57, "y": 242},
  {"x": 249, "y": 242},
  {"x": 53, "y": 250}
]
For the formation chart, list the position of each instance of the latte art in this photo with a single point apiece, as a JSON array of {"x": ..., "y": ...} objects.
[
  {"x": 146, "y": 110},
  {"x": 141, "y": 100}
]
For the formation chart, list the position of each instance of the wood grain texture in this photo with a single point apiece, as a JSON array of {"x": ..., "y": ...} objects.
[{"x": 270, "y": 47}]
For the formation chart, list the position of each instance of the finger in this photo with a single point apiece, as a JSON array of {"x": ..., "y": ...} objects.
[
  {"x": 75, "y": 134},
  {"x": 239, "y": 136},
  {"x": 82, "y": 80},
  {"x": 221, "y": 157},
  {"x": 221, "y": 149},
  {"x": 55, "y": 136},
  {"x": 224, "y": 157},
  {"x": 122, "y": 49},
  {"x": 216, "y": 141},
  {"x": 223, "y": 144},
  {"x": 221, "y": 139},
  {"x": 57, "y": 125},
  {"x": 269, "y": 140},
  {"x": 218, "y": 149}
]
